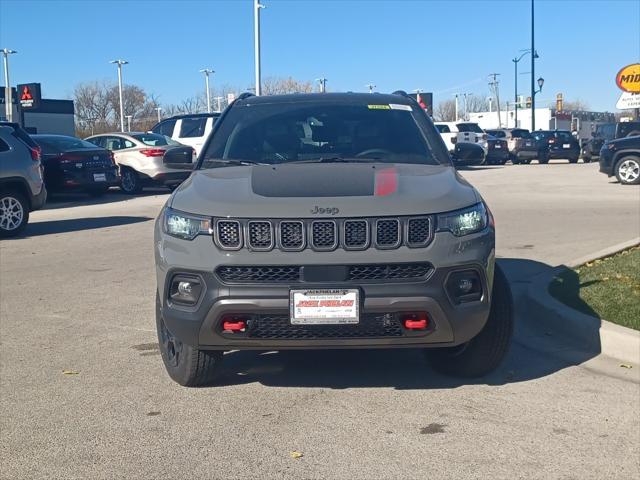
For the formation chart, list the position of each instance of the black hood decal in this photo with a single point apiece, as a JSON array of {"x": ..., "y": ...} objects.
[{"x": 314, "y": 180}]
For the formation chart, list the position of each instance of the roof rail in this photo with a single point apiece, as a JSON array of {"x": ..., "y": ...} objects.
[{"x": 244, "y": 95}]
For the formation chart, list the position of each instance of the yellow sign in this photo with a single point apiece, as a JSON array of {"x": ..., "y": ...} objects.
[
  {"x": 628, "y": 79},
  {"x": 379, "y": 107}
]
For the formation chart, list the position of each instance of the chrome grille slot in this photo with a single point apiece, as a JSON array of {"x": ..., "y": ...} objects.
[
  {"x": 388, "y": 233},
  {"x": 418, "y": 231},
  {"x": 228, "y": 234},
  {"x": 356, "y": 234},
  {"x": 292, "y": 235},
  {"x": 324, "y": 235},
  {"x": 260, "y": 235}
]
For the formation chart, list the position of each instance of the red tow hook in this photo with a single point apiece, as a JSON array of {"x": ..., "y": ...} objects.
[
  {"x": 234, "y": 325},
  {"x": 415, "y": 321}
]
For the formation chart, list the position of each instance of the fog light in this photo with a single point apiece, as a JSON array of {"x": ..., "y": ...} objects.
[
  {"x": 464, "y": 286},
  {"x": 185, "y": 289}
]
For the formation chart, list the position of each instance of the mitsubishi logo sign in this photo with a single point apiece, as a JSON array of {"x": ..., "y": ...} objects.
[{"x": 29, "y": 95}]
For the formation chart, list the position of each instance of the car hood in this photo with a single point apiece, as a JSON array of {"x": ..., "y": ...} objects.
[{"x": 330, "y": 189}]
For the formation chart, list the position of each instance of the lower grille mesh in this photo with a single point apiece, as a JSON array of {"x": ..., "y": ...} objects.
[{"x": 279, "y": 327}]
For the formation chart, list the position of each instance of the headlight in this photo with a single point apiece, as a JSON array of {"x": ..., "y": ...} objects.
[
  {"x": 465, "y": 221},
  {"x": 185, "y": 226}
]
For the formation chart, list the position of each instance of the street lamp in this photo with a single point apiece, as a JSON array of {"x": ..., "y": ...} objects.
[
  {"x": 540, "y": 84},
  {"x": 158, "y": 110},
  {"x": 8, "y": 101},
  {"x": 515, "y": 62},
  {"x": 120, "y": 63},
  {"x": 256, "y": 34},
  {"x": 370, "y": 86},
  {"x": 206, "y": 72}
]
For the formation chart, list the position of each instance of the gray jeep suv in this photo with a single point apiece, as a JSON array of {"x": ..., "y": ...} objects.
[{"x": 324, "y": 221}]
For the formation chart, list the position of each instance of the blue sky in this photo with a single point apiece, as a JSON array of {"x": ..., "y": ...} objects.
[{"x": 440, "y": 46}]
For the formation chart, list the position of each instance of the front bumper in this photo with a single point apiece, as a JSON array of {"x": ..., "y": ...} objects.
[
  {"x": 606, "y": 162},
  {"x": 450, "y": 323}
]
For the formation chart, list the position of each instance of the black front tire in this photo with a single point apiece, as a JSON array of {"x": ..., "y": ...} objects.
[
  {"x": 130, "y": 182},
  {"x": 14, "y": 213},
  {"x": 483, "y": 353},
  {"x": 186, "y": 365}
]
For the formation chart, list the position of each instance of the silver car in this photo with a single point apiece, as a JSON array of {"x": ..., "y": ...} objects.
[
  {"x": 147, "y": 159},
  {"x": 323, "y": 221}
]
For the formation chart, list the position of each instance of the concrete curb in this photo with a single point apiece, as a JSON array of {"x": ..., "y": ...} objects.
[
  {"x": 605, "y": 252},
  {"x": 591, "y": 333}
]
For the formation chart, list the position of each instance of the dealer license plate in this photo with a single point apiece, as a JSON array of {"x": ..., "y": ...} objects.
[
  {"x": 498, "y": 146},
  {"x": 566, "y": 145},
  {"x": 99, "y": 177},
  {"x": 324, "y": 307}
]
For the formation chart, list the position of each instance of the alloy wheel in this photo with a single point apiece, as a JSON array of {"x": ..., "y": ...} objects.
[
  {"x": 128, "y": 181},
  {"x": 11, "y": 213},
  {"x": 629, "y": 170}
]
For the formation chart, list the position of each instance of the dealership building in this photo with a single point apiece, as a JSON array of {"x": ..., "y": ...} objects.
[{"x": 46, "y": 116}]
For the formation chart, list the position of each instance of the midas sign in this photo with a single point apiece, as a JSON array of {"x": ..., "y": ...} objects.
[{"x": 628, "y": 79}]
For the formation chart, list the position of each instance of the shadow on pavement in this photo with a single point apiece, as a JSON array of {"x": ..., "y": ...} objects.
[
  {"x": 77, "y": 224},
  {"x": 76, "y": 199},
  {"x": 536, "y": 351}
]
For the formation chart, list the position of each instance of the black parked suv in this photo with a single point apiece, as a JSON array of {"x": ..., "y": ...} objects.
[
  {"x": 560, "y": 144},
  {"x": 523, "y": 148},
  {"x": 605, "y": 132},
  {"x": 621, "y": 158}
]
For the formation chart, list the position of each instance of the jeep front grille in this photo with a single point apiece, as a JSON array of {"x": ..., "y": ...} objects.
[
  {"x": 323, "y": 235},
  {"x": 397, "y": 272}
]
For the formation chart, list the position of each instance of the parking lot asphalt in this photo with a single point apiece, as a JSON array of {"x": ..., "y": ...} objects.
[{"x": 83, "y": 393}]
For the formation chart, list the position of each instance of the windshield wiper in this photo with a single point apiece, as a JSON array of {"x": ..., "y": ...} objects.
[
  {"x": 232, "y": 162},
  {"x": 338, "y": 159}
]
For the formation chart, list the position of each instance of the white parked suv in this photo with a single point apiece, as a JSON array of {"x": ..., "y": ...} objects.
[{"x": 192, "y": 129}]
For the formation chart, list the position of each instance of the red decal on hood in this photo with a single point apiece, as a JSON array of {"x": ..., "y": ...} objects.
[{"x": 386, "y": 181}]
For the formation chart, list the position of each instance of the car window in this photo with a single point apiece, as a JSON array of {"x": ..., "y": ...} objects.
[
  {"x": 606, "y": 131},
  {"x": 520, "y": 133},
  {"x": 564, "y": 136},
  {"x": 51, "y": 144},
  {"x": 192, "y": 127},
  {"x": 152, "y": 139},
  {"x": 497, "y": 133},
  {"x": 443, "y": 128},
  {"x": 115, "y": 143},
  {"x": 469, "y": 127},
  {"x": 165, "y": 127},
  {"x": 4, "y": 146},
  {"x": 280, "y": 133},
  {"x": 99, "y": 141},
  {"x": 626, "y": 128}
]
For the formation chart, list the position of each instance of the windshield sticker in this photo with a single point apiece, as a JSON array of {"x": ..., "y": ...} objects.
[
  {"x": 397, "y": 106},
  {"x": 379, "y": 107}
]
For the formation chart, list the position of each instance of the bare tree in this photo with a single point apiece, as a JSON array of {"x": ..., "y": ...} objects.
[
  {"x": 93, "y": 107},
  {"x": 278, "y": 85},
  {"x": 477, "y": 103},
  {"x": 445, "y": 111}
]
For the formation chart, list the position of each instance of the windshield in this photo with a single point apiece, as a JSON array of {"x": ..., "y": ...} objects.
[
  {"x": 154, "y": 139},
  {"x": 309, "y": 131},
  {"x": 64, "y": 144},
  {"x": 606, "y": 131},
  {"x": 469, "y": 127}
]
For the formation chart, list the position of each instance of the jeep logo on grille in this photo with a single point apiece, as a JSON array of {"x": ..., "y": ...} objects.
[{"x": 328, "y": 210}]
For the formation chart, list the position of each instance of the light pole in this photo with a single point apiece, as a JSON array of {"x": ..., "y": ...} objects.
[
  {"x": 323, "y": 84},
  {"x": 456, "y": 104},
  {"x": 158, "y": 110},
  {"x": 370, "y": 86},
  {"x": 206, "y": 72},
  {"x": 8, "y": 101},
  {"x": 256, "y": 34},
  {"x": 120, "y": 63},
  {"x": 129, "y": 122},
  {"x": 515, "y": 95},
  {"x": 219, "y": 101},
  {"x": 533, "y": 70}
]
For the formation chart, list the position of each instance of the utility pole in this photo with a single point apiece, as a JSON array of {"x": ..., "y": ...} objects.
[
  {"x": 206, "y": 72},
  {"x": 533, "y": 71},
  {"x": 494, "y": 84},
  {"x": 8, "y": 100},
  {"x": 466, "y": 110},
  {"x": 256, "y": 38},
  {"x": 370, "y": 86},
  {"x": 323, "y": 84},
  {"x": 120, "y": 63},
  {"x": 456, "y": 108}
]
